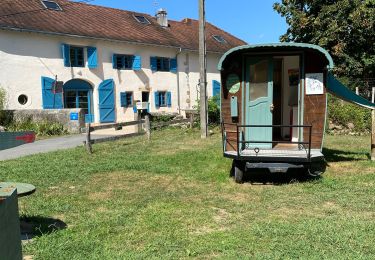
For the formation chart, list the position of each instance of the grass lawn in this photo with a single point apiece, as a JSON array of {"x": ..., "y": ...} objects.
[{"x": 173, "y": 198}]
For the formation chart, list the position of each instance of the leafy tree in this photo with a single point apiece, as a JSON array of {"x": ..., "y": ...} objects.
[{"x": 346, "y": 28}]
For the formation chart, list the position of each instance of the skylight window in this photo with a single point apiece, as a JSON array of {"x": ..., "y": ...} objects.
[
  {"x": 141, "y": 19},
  {"x": 51, "y": 5},
  {"x": 219, "y": 38}
]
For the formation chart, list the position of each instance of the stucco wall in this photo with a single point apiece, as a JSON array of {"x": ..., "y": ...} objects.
[{"x": 26, "y": 57}]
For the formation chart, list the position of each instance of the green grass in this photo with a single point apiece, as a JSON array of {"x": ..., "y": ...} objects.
[{"x": 173, "y": 198}]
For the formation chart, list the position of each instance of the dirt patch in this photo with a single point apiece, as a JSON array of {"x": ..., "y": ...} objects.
[
  {"x": 101, "y": 195},
  {"x": 221, "y": 216},
  {"x": 203, "y": 230}
]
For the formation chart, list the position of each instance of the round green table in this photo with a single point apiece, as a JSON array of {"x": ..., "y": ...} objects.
[{"x": 23, "y": 189}]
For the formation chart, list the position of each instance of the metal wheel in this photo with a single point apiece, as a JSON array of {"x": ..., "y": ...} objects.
[
  {"x": 317, "y": 168},
  {"x": 238, "y": 174}
]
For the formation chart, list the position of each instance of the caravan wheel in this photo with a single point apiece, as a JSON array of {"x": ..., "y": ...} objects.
[
  {"x": 238, "y": 173},
  {"x": 317, "y": 168}
]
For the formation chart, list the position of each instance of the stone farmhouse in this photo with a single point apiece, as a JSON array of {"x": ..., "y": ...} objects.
[{"x": 64, "y": 55}]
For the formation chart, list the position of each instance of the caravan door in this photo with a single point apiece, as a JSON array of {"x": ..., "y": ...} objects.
[{"x": 259, "y": 96}]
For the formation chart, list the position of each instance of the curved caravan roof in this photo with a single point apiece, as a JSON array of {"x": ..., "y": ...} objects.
[
  {"x": 333, "y": 85},
  {"x": 287, "y": 46}
]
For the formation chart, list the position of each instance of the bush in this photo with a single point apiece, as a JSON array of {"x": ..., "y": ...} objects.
[
  {"x": 342, "y": 113},
  {"x": 156, "y": 118},
  {"x": 43, "y": 128},
  {"x": 213, "y": 110},
  {"x": 2, "y": 98}
]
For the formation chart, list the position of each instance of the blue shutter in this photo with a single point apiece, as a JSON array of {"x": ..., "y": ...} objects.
[
  {"x": 216, "y": 91},
  {"x": 153, "y": 64},
  {"x": 65, "y": 48},
  {"x": 169, "y": 99},
  {"x": 215, "y": 88},
  {"x": 123, "y": 99},
  {"x": 114, "y": 62},
  {"x": 156, "y": 96},
  {"x": 50, "y": 99},
  {"x": 137, "y": 63},
  {"x": 173, "y": 65},
  {"x": 92, "y": 57},
  {"x": 107, "y": 101}
]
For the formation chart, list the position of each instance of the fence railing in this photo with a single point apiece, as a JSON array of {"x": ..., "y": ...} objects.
[
  {"x": 146, "y": 130},
  {"x": 241, "y": 140}
]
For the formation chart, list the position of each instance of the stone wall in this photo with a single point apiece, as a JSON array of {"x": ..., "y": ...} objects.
[{"x": 62, "y": 116}]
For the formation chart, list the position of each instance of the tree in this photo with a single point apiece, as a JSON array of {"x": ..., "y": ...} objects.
[{"x": 346, "y": 28}]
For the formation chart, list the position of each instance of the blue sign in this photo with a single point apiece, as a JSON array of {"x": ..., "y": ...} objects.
[{"x": 74, "y": 116}]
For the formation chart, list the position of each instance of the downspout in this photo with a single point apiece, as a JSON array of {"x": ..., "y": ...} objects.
[{"x": 178, "y": 82}]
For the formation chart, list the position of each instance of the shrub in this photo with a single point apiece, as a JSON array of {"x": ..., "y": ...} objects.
[
  {"x": 2, "y": 98},
  {"x": 156, "y": 118},
  {"x": 43, "y": 128},
  {"x": 213, "y": 110},
  {"x": 342, "y": 113}
]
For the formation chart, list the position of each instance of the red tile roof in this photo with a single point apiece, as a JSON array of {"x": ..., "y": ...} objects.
[{"x": 92, "y": 21}]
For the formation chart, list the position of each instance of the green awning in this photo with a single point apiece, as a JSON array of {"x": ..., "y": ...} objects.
[
  {"x": 279, "y": 46},
  {"x": 338, "y": 89}
]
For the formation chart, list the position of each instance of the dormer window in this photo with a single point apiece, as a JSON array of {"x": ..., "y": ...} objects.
[
  {"x": 219, "y": 38},
  {"x": 141, "y": 19},
  {"x": 51, "y": 5}
]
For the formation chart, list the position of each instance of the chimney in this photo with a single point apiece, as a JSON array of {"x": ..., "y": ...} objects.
[{"x": 161, "y": 17}]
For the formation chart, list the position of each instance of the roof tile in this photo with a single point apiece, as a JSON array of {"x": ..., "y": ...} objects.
[{"x": 87, "y": 20}]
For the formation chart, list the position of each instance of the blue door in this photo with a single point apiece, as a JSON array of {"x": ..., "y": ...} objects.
[
  {"x": 259, "y": 90},
  {"x": 107, "y": 101}
]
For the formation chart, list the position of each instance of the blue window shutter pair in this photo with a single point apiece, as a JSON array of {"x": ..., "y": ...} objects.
[
  {"x": 153, "y": 63},
  {"x": 123, "y": 100},
  {"x": 173, "y": 65},
  {"x": 66, "y": 54},
  {"x": 169, "y": 99},
  {"x": 50, "y": 99},
  {"x": 137, "y": 63},
  {"x": 92, "y": 57}
]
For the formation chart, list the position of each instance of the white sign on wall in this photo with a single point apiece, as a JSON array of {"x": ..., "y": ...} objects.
[{"x": 314, "y": 84}]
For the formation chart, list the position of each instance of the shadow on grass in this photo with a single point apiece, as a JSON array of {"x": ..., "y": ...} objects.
[
  {"x": 36, "y": 226},
  {"x": 332, "y": 155},
  {"x": 265, "y": 177}
]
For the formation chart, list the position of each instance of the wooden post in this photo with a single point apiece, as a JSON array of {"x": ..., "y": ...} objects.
[
  {"x": 88, "y": 139},
  {"x": 139, "y": 118},
  {"x": 191, "y": 120},
  {"x": 203, "y": 70},
  {"x": 373, "y": 127},
  {"x": 148, "y": 127}
]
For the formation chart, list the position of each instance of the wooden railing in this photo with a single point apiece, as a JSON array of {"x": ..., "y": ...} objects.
[
  {"x": 118, "y": 126},
  {"x": 89, "y": 129}
]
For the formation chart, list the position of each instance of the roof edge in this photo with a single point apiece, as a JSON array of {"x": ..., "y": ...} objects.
[
  {"x": 276, "y": 45},
  {"x": 14, "y": 29}
]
